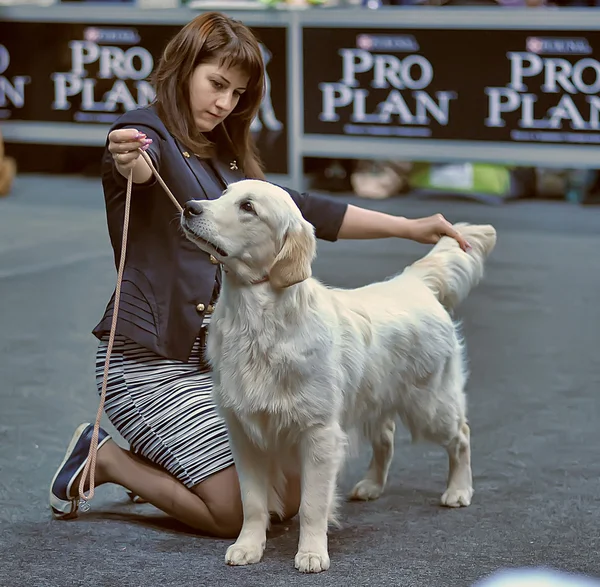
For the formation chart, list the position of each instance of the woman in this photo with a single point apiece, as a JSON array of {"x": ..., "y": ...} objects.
[{"x": 209, "y": 87}]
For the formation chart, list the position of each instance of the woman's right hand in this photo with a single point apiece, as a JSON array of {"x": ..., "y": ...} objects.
[{"x": 124, "y": 145}]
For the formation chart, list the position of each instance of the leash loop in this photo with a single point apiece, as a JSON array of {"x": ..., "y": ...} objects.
[{"x": 90, "y": 465}]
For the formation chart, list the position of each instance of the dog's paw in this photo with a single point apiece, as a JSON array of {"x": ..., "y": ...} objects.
[
  {"x": 366, "y": 490},
  {"x": 312, "y": 562},
  {"x": 455, "y": 498},
  {"x": 243, "y": 554}
]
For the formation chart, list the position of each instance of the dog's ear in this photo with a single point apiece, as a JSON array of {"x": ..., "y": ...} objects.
[{"x": 293, "y": 264}]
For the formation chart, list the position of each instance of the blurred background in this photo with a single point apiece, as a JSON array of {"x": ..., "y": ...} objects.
[
  {"x": 476, "y": 98},
  {"x": 484, "y": 111}
]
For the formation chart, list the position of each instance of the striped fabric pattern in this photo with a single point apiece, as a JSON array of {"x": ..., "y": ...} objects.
[{"x": 163, "y": 408}]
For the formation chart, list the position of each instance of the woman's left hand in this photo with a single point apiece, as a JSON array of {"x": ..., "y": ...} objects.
[{"x": 431, "y": 229}]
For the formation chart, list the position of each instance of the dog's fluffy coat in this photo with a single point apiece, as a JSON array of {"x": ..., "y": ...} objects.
[{"x": 300, "y": 367}]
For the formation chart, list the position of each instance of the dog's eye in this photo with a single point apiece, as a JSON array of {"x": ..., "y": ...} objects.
[{"x": 247, "y": 206}]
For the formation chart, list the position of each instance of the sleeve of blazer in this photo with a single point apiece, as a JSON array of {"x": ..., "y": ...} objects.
[{"x": 325, "y": 213}]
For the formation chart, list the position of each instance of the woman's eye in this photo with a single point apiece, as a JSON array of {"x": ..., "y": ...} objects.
[
  {"x": 217, "y": 85},
  {"x": 247, "y": 207}
]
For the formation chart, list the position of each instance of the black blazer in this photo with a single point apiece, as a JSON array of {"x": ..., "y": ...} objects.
[{"x": 168, "y": 281}]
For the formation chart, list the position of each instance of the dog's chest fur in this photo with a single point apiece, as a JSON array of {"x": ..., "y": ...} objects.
[{"x": 268, "y": 370}]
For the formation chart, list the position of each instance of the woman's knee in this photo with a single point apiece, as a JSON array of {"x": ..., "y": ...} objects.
[
  {"x": 228, "y": 518},
  {"x": 221, "y": 495}
]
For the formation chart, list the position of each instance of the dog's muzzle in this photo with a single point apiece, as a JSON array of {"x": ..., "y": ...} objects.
[{"x": 192, "y": 219}]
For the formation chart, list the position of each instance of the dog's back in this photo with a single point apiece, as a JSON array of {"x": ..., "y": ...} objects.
[
  {"x": 447, "y": 271},
  {"x": 410, "y": 345}
]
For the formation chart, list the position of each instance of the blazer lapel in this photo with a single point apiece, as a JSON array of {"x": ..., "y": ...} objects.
[
  {"x": 199, "y": 170},
  {"x": 227, "y": 171}
]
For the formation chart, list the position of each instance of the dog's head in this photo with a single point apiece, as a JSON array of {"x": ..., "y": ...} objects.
[{"x": 256, "y": 230}]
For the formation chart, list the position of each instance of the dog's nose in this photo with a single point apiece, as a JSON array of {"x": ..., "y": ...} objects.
[{"x": 192, "y": 208}]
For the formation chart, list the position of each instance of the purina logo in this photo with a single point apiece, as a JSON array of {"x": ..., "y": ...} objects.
[
  {"x": 111, "y": 36},
  {"x": 550, "y": 46},
  {"x": 393, "y": 43}
]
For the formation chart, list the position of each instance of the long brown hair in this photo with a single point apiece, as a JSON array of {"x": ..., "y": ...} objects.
[{"x": 212, "y": 36}]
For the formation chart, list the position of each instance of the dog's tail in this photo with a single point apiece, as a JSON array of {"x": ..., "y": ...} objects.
[{"x": 450, "y": 272}]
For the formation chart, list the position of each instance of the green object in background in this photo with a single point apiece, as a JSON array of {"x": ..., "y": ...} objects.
[{"x": 485, "y": 181}]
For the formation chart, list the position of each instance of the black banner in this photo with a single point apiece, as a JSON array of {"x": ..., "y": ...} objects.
[
  {"x": 468, "y": 85},
  {"x": 75, "y": 72}
]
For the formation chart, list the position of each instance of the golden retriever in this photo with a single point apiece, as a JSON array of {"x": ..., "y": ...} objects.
[{"x": 300, "y": 369}]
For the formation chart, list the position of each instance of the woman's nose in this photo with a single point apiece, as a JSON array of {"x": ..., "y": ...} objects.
[{"x": 225, "y": 101}]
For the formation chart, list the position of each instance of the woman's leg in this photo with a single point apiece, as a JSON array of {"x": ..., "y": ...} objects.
[
  {"x": 145, "y": 388},
  {"x": 213, "y": 507}
]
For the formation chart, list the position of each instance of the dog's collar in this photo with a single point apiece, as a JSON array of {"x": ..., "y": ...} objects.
[
  {"x": 262, "y": 280},
  {"x": 255, "y": 282}
]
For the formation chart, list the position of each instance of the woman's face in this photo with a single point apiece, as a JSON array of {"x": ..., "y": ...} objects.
[{"x": 214, "y": 92}]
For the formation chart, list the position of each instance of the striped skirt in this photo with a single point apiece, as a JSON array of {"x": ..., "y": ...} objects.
[{"x": 163, "y": 408}]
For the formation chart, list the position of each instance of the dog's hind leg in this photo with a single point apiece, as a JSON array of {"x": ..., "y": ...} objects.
[
  {"x": 438, "y": 414},
  {"x": 453, "y": 413},
  {"x": 460, "y": 480},
  {"x": 382, "y": 441}
]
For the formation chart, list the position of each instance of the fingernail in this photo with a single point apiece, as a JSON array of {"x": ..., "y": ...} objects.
[
  {"x": 147, "y": 141},
  {"x": 144, "y": 147},
  {"x": 469, "y": 247},
  {"x": 140, "y": 135}
]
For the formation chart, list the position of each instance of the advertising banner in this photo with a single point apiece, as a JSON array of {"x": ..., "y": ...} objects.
[
  {"x": 75, "y": 72},
  {"x": 461, "y": 85}
]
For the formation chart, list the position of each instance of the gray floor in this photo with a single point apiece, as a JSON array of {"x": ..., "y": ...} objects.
[{"x": 532, "y": 330}]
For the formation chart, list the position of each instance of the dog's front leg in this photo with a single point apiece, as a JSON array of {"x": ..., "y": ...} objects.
[
  {"x": 253, "y": 472},
  {"x": 322, "y": 452}
]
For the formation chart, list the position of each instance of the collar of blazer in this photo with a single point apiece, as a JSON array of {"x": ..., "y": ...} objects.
[{"x": 228, "y": 172}]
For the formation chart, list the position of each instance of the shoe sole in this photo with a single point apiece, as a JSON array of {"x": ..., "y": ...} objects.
[{"x": 67, "y": 509}]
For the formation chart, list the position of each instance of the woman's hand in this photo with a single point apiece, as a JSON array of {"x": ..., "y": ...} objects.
[
  {"x": 124, "y": 145},
  {"x": 431, "y": 229}
]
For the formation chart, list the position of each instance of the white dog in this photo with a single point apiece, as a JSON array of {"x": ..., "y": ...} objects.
[{"x": 300, "y": 368}]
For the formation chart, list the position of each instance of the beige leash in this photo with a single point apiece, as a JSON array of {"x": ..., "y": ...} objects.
[{"x": 90, "y": 465}]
